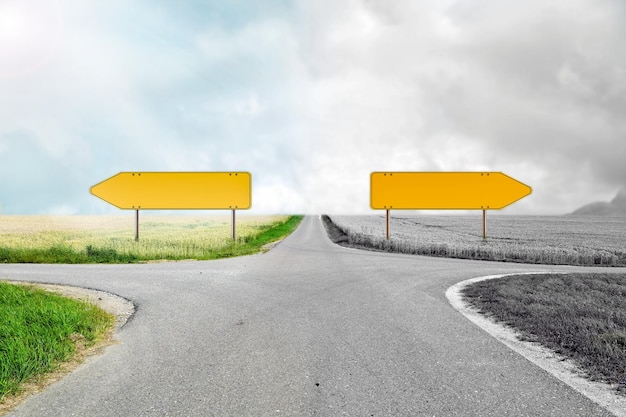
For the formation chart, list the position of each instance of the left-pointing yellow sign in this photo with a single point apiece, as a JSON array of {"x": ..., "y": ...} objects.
[{"x": 177, "y": 190}]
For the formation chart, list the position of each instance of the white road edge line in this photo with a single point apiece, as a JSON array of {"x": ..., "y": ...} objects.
[{"x": 561, "y": 368}]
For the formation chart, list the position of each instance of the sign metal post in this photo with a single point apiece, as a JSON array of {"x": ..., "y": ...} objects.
[
  {"x": 233, "y": 224},
  {"x": 484, "y": 224},
  {"x": 387, "y": 224},
  {"x": 137, "y": 225}
]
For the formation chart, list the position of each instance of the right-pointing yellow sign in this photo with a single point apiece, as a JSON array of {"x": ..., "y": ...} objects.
[{"x": 444, "y": 190}]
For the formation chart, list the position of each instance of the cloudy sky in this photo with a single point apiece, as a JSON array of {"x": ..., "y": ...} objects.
[{"x": 311, "y": 96}]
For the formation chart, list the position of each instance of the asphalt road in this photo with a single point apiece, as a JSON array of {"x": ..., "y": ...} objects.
[{"x": 307, "y": 329}]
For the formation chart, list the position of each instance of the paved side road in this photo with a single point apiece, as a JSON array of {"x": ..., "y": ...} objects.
[{"x": 307, "y": 329}]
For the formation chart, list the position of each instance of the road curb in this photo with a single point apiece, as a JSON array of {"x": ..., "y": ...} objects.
[
  {"x": 122, "y": 308},
  {"x": 558, "y": 366}
]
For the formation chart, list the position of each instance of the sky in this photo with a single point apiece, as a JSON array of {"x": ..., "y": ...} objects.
[{"x": 310, "y": 97}]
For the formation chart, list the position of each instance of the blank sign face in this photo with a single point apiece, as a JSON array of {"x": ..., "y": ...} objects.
[
  {"x": 177, "y": 190},
  {"x": 444, "y": 190}
]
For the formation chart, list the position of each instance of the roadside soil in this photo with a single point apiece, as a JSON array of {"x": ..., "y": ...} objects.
[{"x": 335, "y": 234}]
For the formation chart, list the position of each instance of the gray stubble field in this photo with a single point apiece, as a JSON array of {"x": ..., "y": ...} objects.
[{"x": 556, "y": 240}]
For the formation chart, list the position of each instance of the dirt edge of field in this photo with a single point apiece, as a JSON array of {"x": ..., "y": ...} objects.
[
  {"x": 335, "y": 234},
  {"x": 121, "y": 308},
  {"x": 558, "y": 366}
]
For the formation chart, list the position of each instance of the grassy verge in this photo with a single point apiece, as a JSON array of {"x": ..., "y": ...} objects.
[
  {"x": 581, "y": 316},
  {"x": 160, "y": 240},
  {"x": 38, "y": 330},
  {"x": 254, "y": 243}
]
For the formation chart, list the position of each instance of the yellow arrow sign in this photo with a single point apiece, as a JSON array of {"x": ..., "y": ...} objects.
[
  {"x": 177, "y": 190},
  {"x": 444, "y": 190}
]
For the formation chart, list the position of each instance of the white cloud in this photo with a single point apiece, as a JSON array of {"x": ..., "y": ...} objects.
[
  {"x": 276, "y": 197},
  {"x": 311, "y": 101}
]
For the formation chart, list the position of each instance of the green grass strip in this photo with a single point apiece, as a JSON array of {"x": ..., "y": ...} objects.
[
  {"x": 36, "y": 332},
  {"x": 581, "y": 316},
  {"x": 93, "y": 254},
  {"x": 254, "y": 244},
  {"x": 64, "y": 255}
]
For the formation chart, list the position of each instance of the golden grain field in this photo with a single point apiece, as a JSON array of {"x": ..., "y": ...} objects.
[{"x": 161, "y": 237}]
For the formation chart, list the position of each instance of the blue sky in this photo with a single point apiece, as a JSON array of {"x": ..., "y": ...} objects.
[{"x": 310, "y": 97}]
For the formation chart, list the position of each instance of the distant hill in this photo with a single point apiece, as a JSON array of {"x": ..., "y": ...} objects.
[{"x": 616, "y": 207}]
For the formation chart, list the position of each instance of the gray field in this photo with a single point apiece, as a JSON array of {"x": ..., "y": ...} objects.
[{"x": 567, "y": 240}]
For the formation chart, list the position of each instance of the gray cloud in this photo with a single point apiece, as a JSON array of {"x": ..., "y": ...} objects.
[{"x": 534, "y": 89}]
